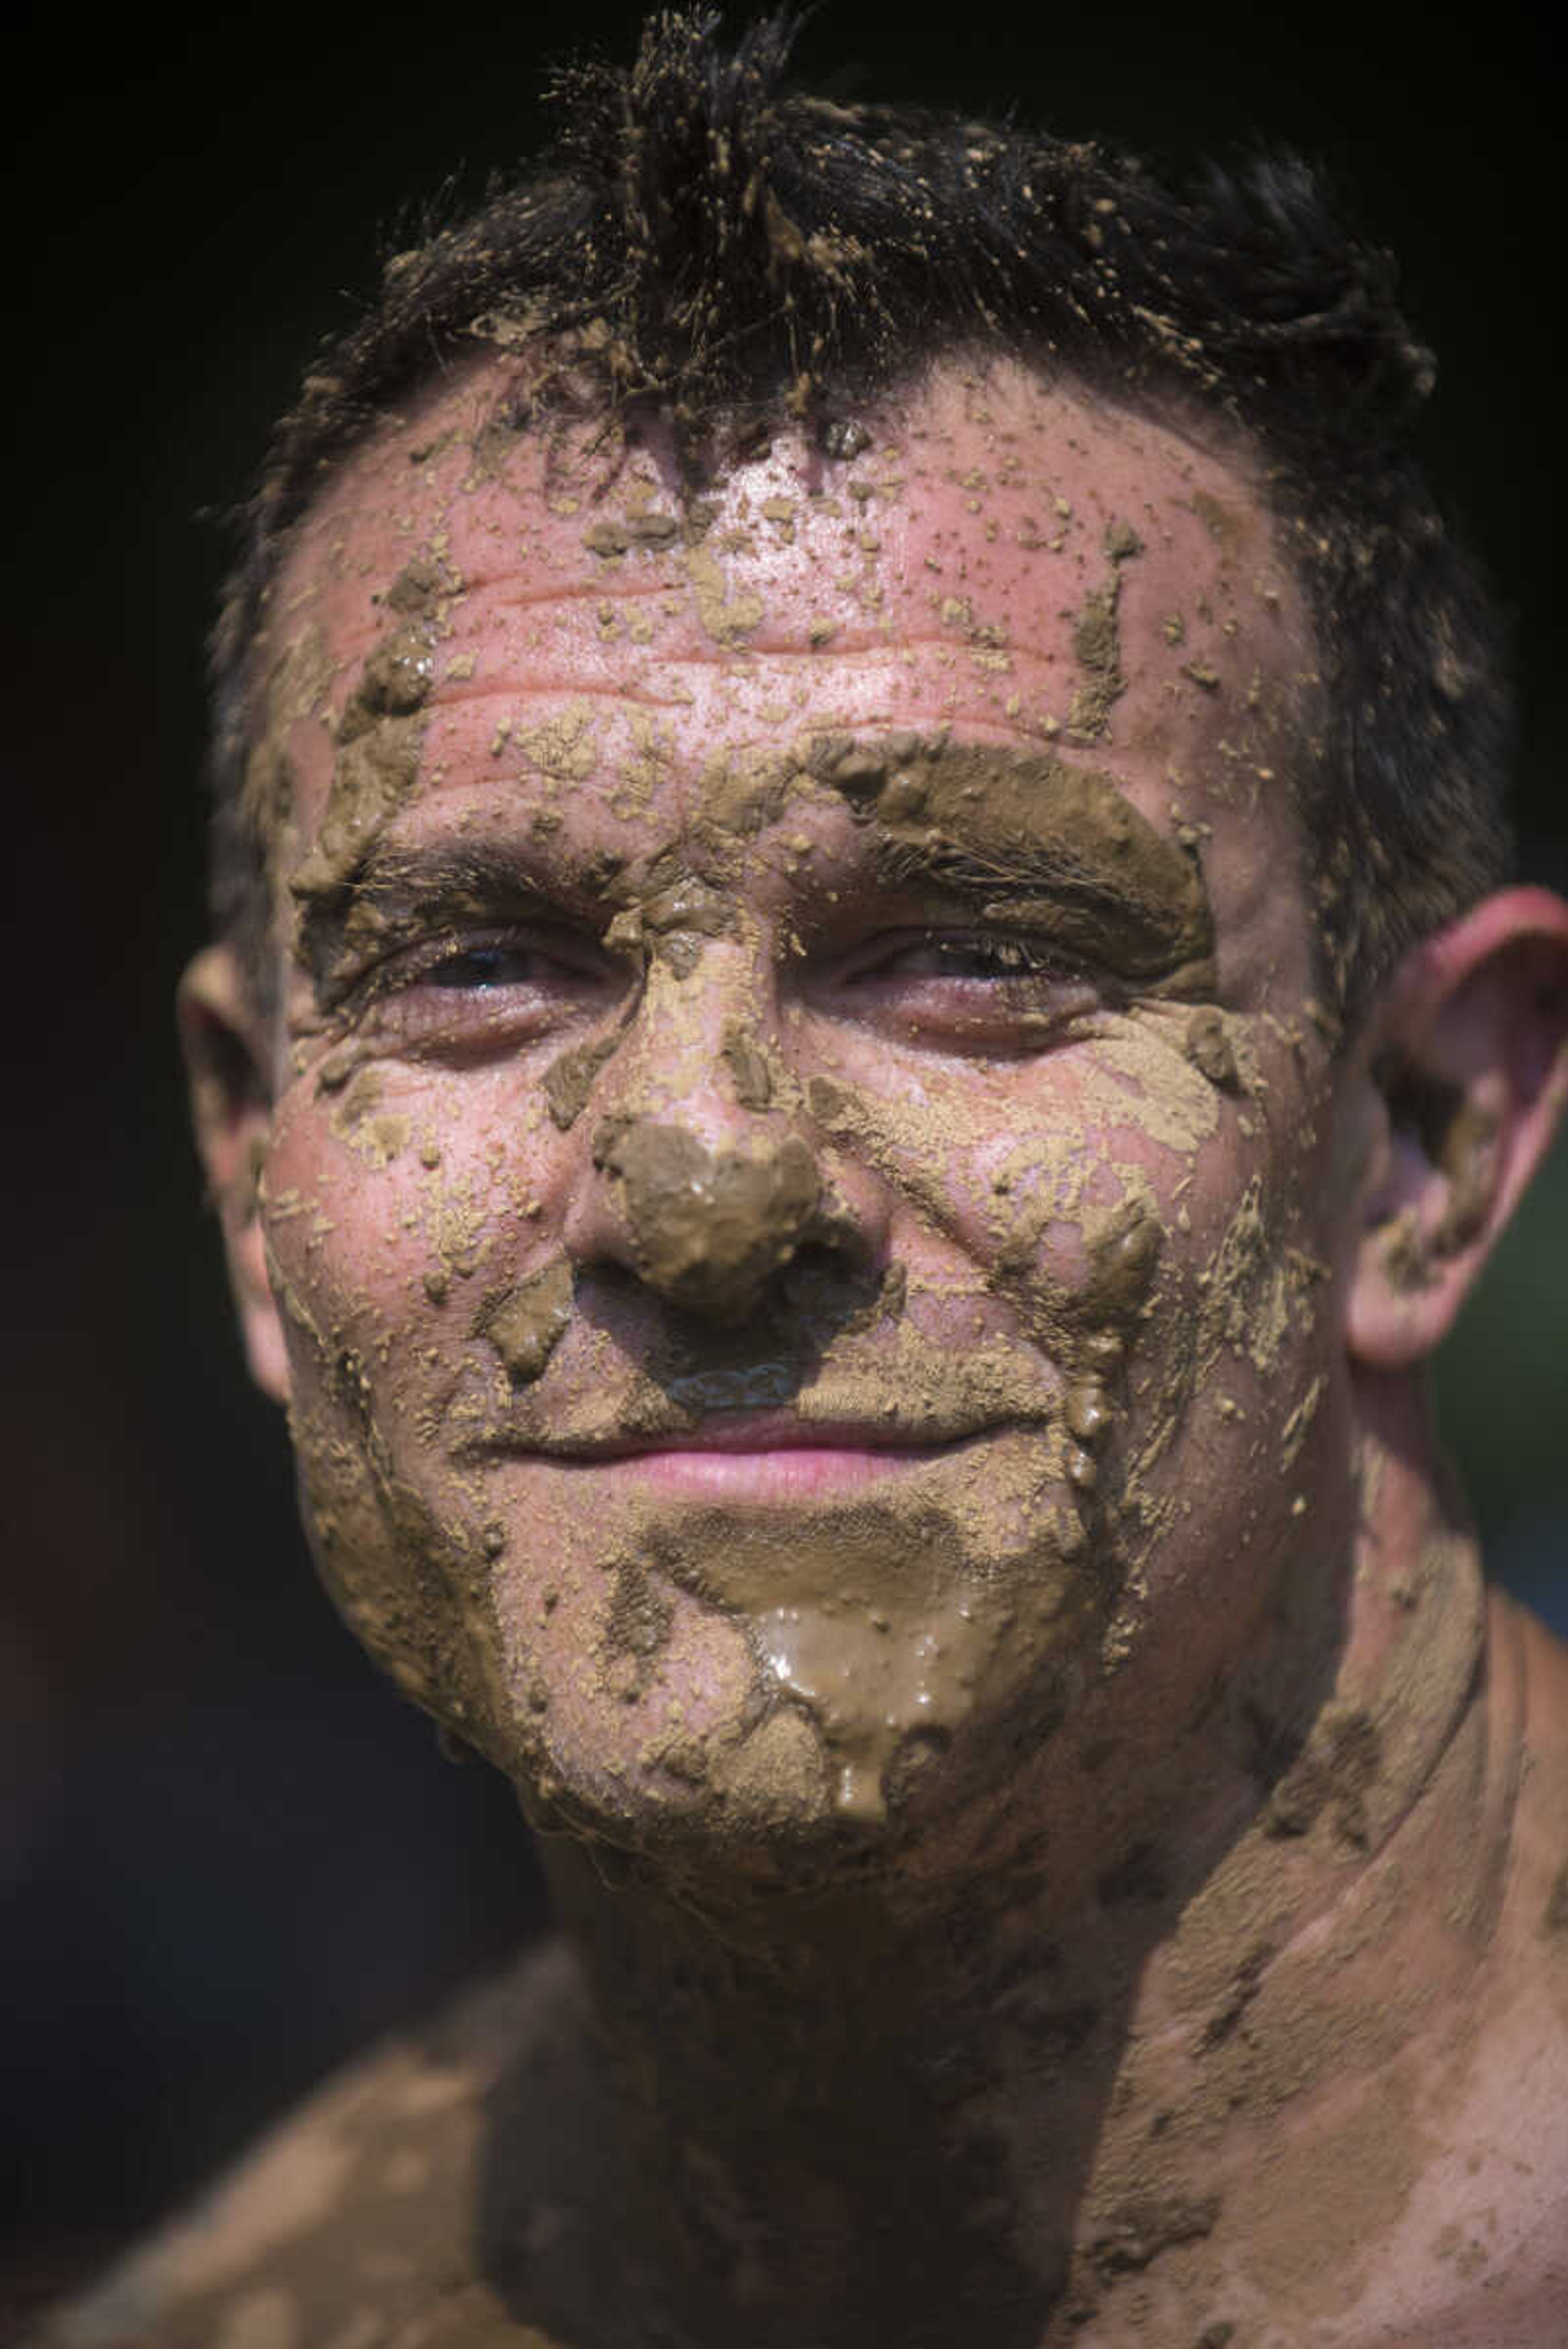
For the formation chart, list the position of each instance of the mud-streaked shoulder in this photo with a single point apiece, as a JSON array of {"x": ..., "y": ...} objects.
[{"x": 366, "y": 2220}]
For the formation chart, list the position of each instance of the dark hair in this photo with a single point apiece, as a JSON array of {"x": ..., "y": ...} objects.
[{"x": 700, "y": 239}]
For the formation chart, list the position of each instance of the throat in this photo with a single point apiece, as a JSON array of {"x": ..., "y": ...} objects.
[{"x": 828, "y": 2129}]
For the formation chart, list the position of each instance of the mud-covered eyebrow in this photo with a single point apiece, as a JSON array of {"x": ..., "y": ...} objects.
[
  {"x": 1036, "y": 838},
  {"x": 394, "y": 887}
]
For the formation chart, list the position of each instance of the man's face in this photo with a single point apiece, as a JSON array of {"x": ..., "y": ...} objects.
[{"x": 799, "y": 1195}]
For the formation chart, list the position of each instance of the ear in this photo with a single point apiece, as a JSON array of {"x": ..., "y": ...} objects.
[
  {"x": 227, "y": 1060},
  {"x": 1467, "y": 1062}
]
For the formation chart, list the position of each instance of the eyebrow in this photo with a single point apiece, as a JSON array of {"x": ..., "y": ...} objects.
[
  {"x": 393, "y": 883},
  {"x": 1035, "y": 837}
]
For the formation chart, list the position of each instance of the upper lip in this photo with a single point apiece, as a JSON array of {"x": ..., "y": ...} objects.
[{"x": 738, "y": 1431}]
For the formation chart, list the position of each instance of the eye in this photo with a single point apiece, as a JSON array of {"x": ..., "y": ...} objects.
[
  {"x": 967, "y": 957},
  {"x": 493, "y": 990},
  {"x": 991, "y": 990},
  {"x": 492, "y": 965}
]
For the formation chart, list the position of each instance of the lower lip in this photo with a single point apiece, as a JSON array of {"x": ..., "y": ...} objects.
[{"x": 795, "y": 1471}]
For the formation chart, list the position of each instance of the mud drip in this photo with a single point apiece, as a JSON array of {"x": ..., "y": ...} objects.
[{"x": 869, "y": 1684}]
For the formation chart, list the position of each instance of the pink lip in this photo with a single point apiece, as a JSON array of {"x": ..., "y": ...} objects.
[
  {"x": 793, "y": 1470},
  {"x": 767, "y": 1457}
]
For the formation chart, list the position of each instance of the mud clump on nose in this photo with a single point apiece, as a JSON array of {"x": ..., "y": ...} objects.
[{"x": 709, "y": 1230}]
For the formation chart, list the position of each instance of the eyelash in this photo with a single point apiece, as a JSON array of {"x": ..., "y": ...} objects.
[
  {"x": 1012, "y": 954},
  {"x": 498, "y": 949}
]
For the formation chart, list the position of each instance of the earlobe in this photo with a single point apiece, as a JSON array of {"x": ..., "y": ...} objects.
[
  {"x": 224, "y": 1045},
  {"x": 1467, "y": 1069}
]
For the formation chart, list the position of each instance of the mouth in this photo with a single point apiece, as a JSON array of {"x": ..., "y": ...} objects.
[{"x": 758, "y": 1455}]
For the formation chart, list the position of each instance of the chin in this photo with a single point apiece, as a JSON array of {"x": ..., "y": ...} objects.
[{"x": 767, "y": 1801}]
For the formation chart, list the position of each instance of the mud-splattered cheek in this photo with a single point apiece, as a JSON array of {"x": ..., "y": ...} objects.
[
  {"x": 1230, "y": 1358},
  {"x": 347, "y": 1210},
  {"x": 1142, "y": 1225}
]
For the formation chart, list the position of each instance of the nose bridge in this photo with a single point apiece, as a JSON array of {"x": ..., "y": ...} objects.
[{"x": 694, "y": 1052}]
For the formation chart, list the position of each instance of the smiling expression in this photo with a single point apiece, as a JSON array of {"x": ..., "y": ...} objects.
[{"x": 800, "y": 1184}]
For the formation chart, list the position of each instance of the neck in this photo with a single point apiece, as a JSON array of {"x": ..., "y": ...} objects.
[{"x": 942, "y": 2109}]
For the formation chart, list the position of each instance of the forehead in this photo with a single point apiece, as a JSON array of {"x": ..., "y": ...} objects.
[{"x": 999, "y": 558}]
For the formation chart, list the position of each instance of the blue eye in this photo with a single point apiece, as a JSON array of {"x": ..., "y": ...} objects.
[{"x": 484, "y": 967}]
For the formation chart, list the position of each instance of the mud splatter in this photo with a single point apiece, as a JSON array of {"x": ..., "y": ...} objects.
[
  {"x": 1208, "y": 1047},
  {"x": 749, "y": 1069},
  {"x": 568, "y": 1081},
  {"x": 1554, "y": 1916},
  {"x": 526, "y": 1324},
  {"x": 1333, "y": 1775},
  {"x": 1139, "y": 2232},
  {"x": 1098, "y": 644}
]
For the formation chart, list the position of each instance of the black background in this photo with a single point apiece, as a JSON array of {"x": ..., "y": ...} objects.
[{"x": 229, "y": 1854}]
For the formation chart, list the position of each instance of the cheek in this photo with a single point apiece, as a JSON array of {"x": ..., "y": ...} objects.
[
  {"x": 388, "y": 1198},
  {"x": 1150, "y": 1226},
  {"x": 341, "y": 1180},
  {"x": 1232, "y": 1378},
  {"x": 1059, "y": 1182},
  {"x": 379, "y": 1237}
]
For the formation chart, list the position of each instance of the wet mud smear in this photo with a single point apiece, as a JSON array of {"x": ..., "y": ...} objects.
[
  {"x": 869, "y": 1683},
  {"x": 379, "y": 737},
  {"x": 1208, "y": 1047}
]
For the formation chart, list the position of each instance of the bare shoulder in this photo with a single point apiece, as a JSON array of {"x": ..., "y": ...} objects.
[{"x": 365, "y": 2220}]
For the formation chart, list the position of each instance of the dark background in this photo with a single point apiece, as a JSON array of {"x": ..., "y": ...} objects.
[{"x": 228, "y": 1855}]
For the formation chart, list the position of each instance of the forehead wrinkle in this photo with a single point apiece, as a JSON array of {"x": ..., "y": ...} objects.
[
  {"x": 569, "y": 591},
  {"x": 450, "y": 691}
]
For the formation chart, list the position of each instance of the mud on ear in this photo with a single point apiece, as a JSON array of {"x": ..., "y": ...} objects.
[
  {"x": 226, "y": 1061},
  {"x": 1470, "y": 1070}
]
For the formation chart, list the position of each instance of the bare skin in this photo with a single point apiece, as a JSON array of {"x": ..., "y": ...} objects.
[{"x": 849, "y": 1322}]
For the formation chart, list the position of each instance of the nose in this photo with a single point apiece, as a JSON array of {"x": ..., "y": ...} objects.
[
  {"x": 709, "y": 1228},
  {"x": 698, "y": 1171}
]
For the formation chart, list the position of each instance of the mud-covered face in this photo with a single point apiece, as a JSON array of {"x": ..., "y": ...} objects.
[{"x": 798, "y": 1192}]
